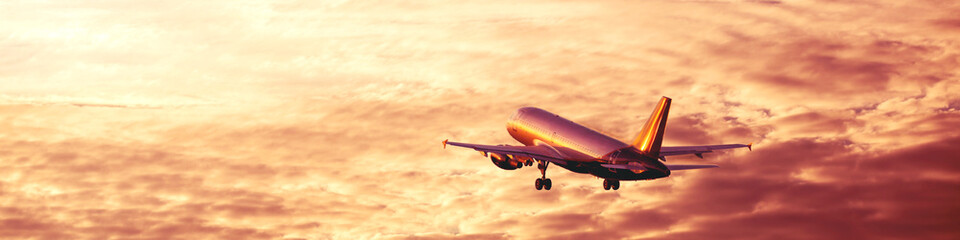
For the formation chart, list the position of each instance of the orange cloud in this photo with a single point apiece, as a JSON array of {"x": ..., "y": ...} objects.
[{"x": 304, "y": 120}]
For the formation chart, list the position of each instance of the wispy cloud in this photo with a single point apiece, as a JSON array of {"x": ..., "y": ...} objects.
[
  {"x": 305, "y": 120},
  {"x": 112, "y": 101}
]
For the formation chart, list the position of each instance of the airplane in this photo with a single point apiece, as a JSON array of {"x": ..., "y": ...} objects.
[{"x": 549, "y": 138}]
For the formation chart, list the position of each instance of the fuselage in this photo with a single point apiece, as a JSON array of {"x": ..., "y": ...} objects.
[{"x": 583, "y": 148}]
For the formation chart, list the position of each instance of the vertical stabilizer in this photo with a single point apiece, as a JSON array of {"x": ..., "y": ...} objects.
[{"x": 650, "y": 137}]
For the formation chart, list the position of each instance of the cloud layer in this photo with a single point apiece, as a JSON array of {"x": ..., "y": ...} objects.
[{"x": 306, "y": 120}]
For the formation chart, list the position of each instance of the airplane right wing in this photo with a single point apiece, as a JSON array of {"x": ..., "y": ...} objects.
[{"x": 699, "y": 150}]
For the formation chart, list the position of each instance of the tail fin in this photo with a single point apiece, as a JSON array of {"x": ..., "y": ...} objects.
[{"x": 650, "y": 137}]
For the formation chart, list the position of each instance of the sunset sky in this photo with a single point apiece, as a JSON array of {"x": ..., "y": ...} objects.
[{"x": 324, "y": 119}]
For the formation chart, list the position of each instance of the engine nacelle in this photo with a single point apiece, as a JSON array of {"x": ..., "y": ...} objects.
[{"x": 505, "y": 162}]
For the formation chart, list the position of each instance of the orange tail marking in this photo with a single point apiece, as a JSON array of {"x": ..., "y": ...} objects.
[{"x": 651, "y": 135}]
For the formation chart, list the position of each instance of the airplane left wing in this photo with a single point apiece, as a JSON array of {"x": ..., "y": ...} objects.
[
  {"x": 536, "y": 152},
  {"x": 699, "y": 150},
  {"x": 673, "y": 167}
]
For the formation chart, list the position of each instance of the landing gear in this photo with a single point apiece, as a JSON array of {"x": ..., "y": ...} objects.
[
  {"x": 611, "y": 183},
  {"x": 543, "y": 182}
]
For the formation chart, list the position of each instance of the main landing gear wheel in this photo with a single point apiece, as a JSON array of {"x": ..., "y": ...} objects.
[
  {"x": 543, "y": 182},
  {"x": 611, "y": 183}
]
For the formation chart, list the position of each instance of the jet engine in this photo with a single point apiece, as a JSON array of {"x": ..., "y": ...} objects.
[{"x": 505, "y": 162}]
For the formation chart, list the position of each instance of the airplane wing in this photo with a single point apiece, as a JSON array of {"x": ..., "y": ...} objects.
[
  {"x": 671, "y": 167},
  {"x": 536, "y": 152},
  {"x": 699, "y": 150}
]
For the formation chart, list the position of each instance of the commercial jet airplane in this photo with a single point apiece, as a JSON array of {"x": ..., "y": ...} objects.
[{"x": 549, "y": 138}]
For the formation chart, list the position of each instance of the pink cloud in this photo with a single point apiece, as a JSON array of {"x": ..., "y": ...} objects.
[{"x": 323, "y": 121}]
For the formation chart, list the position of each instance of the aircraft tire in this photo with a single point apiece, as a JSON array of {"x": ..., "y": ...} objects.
[
  {"x": 539, "y": 184},
  {"x": 616, "y": 184},
  {"x": 606, "y": 184},
  {"x": 547, "y": 184}
]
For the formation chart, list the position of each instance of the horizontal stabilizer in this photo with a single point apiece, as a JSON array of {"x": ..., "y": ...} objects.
[
  {"x": 699, "y": 150},
  {"x": 687, "y": 167}
]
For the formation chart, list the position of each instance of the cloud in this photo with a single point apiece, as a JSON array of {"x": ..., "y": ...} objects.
[
  {"x": 302, "y": 120},
  {"x": 852, "y": 195}
]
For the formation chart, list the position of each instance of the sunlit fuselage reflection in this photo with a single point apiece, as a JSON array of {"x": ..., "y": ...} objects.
[{"x": 585, "y": 148}]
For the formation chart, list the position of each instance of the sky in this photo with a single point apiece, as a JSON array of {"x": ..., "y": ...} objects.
[{"x": 324, "y": 119}]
